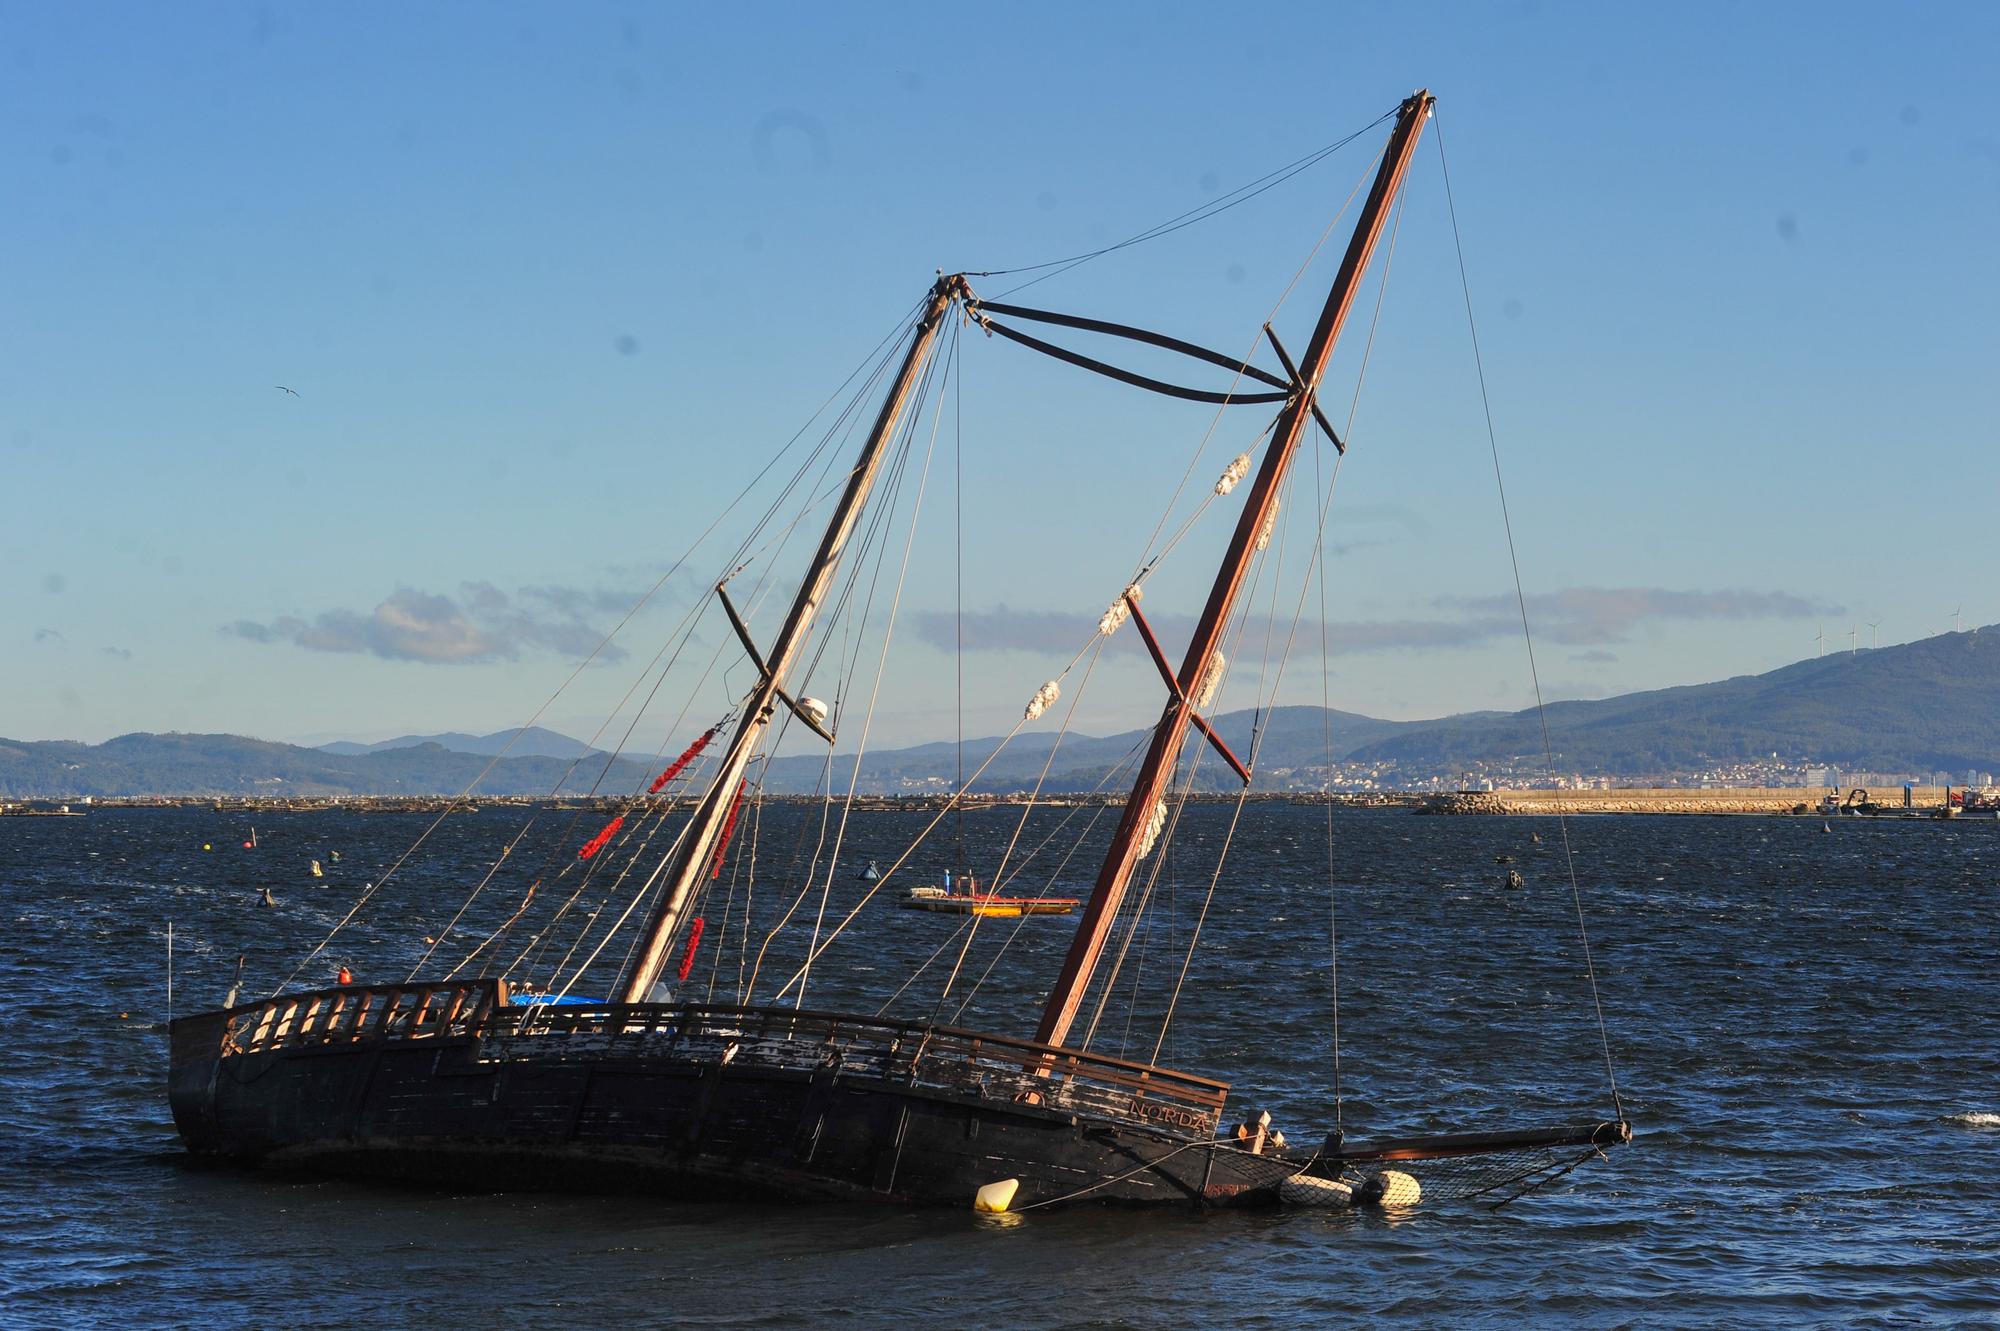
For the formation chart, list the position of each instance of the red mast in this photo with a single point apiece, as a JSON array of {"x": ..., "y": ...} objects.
[{"x": 1095, "y": 928}]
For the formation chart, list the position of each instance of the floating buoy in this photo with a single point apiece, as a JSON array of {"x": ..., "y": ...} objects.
[
  {"x": 1503, "y": 859},
  {"x": 1514, "y": 879},
  {"x": 247, "y": 845},
  {"x": 1391, "y": 1187},
  {"x": 206, "y": 846},
  {"x": 995, "y": 1198},
  {"x": 1826, "y": 827},
  {"x": 869, "y": 874},
  {"x": 268, "y": 899},
  {"x": 316, "y": 870},
  {"x": 1535, "y": 837},
  {"x": 333, "y": 855},
  {"x": 1305, "y": 1190}
]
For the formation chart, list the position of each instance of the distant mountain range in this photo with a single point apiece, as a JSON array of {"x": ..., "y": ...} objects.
[
  {"x": 1917, "y": 707},
  {"x": 1922, "y": 706},
  {"x": 232, "y": 765},
  {"x": 1297, "y": 736},
  {"x": 533, "y": 742}
]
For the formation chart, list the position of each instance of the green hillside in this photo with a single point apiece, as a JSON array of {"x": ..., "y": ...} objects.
[{"x": 1920, "y": 706}]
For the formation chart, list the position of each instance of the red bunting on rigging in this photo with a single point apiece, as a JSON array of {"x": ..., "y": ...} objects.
[
  {"x": 598, "y": 842},
  {"x": 729, "y": 826},
  {"x": 694, "y": 942},
  {"x": 674, "y": 768}
]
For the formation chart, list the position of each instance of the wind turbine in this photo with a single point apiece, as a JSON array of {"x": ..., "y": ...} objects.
[
  {"x": 1873, "y": 624},
  {"x": 1852, "y": 636},
  {"x": 1820, "y": 638},
  {"x": 1957, "y": 623}
]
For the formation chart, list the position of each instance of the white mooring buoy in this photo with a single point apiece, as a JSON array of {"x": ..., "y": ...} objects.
[
  {"x": 1391, "y": 1187},
  {"x": 995, "y": 1198}
]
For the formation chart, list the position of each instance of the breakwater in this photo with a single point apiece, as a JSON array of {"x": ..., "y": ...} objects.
[{"x": 1667, "y": 799}]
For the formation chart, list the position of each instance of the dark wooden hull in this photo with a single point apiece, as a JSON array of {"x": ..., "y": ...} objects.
[{"x": 674, "y": 1111}]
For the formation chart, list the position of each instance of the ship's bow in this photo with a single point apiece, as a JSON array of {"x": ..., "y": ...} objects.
[{"x": 194, "y": 1061}]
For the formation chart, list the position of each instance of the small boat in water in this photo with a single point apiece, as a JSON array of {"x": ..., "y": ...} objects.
[{"x": 989, "y": 904}]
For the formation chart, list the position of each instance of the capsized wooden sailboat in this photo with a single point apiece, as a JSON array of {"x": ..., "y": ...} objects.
[{"x": 481, "y": 1081}]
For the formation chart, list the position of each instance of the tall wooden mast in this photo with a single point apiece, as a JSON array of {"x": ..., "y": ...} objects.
[
  {"x": 1157, "y": 773},
  {"x": 677, "y": 878}
]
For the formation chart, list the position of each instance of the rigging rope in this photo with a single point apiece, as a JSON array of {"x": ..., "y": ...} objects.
[
  {"x": 949, "y": 807},
  {"x": 1150, "y": 560},
  {"x": 1114, "y": 773},
  {"x": 1134, "y": 910},
  {"x": 684, "y": 636},
  {"x": 451, "y": 805},
  {"x": 466, "y": 905},
  {"x": 999, "y": 873},
  {"x": 1326, "y": 737},
  {"x": 764, "y": 583},
  {"x": 881, "y": 664},
  {"x": 1521, "y": 599},
  {"x": 880, "y": 521},
  {"x": 1257, "y": 734},
  {"x": 1241, "y": 194},
  {"x": 1298, "y": 612}
]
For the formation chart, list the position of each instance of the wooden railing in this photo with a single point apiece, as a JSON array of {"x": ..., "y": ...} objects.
[
  {"x": 942, "y": 1058},
  {"x": 361, "y": 1012}
]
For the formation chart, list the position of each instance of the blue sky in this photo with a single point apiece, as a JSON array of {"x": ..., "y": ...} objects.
[{"x": 551, "y": 283}]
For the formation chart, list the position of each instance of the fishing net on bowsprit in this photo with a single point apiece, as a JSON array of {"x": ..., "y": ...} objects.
[{"x": 1491, "y": 1170}]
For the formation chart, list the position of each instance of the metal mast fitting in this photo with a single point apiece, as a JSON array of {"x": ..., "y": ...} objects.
[
  {"x": 1155, "y": 775},
  {"x": 680, "y": 874}
]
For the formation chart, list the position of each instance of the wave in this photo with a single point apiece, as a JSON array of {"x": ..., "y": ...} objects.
[{"x": 1975, "y": 1118}]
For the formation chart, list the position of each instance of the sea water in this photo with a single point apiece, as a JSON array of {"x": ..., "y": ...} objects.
[{"x": 1802, "y": 1027}]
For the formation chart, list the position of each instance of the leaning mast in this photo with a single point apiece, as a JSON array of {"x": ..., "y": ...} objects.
[
  {"x": 677, "y": 878},
  {"x": 1094, "y": 930}
]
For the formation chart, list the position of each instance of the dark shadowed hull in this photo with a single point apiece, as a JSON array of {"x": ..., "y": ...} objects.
[
  {"x": 692, "y": 1103},
  {"x": 453, "y": 1084}
]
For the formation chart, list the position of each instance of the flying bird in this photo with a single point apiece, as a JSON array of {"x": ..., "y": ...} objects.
[{"x": 282, "y": 389}]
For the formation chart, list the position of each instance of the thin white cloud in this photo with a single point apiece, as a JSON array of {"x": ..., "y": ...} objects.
[
  {"x": 1590, "y": 616},
  {"x": 481, "y": 623},
  {"x": 1575, "y": 617}
]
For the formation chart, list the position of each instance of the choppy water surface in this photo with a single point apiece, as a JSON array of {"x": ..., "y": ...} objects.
[{"x": 1803, "y": 1023}]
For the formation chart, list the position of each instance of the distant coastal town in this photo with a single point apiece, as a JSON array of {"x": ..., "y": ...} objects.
[{"x": 1534, "y": 774}]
